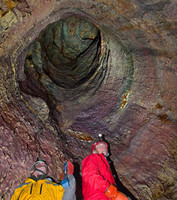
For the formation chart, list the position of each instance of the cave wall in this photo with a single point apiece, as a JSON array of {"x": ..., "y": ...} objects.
[{"x": 130, "y": 97}]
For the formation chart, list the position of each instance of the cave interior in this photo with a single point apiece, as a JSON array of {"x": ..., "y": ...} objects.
[{"x": 73, "y": 69}]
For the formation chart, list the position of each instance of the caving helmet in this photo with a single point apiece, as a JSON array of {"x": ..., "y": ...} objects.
[
  {"x": 100, "y": 139},
  {"x": 39, "y": 169}
]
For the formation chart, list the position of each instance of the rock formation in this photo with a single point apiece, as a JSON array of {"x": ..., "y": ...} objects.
[{"x": 72, "y": 69}]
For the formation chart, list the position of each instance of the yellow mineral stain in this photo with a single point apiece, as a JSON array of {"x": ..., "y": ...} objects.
[
  {"x": 59, "y": 107},
  {"x": 125, "y": 99},
  {"x": 158, "y": 191},
  {"x": 80, "y": 135},
  {"x": 8, "y": 5},
  {"x": 158, "y": 106},
  {"x": 1, "y": 13},
  {"x": 29, "y": 106},
  {"x": 66, "y": 124},
  {"x": 11, "y": 4},
  {"x": 91, "y": 36},
  {"x": 74, "y": 26},
  {"x": 14, "y": 74}
]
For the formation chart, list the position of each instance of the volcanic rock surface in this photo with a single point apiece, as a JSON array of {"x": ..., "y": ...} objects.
[{"x": 71, "y": 69}]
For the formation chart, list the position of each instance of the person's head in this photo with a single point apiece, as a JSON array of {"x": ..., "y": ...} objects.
[
  {"x": 100, "y": 147},
  {"x": 39, "y": 170}
]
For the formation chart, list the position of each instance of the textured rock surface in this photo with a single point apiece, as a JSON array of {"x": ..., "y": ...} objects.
[{"x": 71, "y": 69}]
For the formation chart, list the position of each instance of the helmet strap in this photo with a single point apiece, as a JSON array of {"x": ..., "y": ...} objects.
[{"x": 39, "y": 176}]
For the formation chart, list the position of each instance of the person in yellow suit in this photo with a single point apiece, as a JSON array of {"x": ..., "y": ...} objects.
[{"x": 37, "y": 186}]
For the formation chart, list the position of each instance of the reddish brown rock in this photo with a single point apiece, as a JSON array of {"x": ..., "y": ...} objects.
[{"x": 129, "y": 95}]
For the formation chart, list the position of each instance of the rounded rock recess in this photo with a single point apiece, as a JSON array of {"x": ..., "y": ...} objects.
[
  {"x": 73, "y": 61},
  {"x": 67, "y": 52}
]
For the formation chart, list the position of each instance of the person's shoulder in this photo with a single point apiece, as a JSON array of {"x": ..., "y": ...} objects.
[
  {"x": 91, "y": 157},
  {"x": 50, "y": 185},
  {"x": 29, "y": 180},
  {"x": 87, "y": 157},
  {"x": 26, "y": 183}
]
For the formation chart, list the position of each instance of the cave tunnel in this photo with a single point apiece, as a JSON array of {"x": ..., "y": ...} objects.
[{"x": 73, "y": 69}]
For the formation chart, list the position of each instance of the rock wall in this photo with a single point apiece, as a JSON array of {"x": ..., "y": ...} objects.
[{"x": 72, "y": 69}]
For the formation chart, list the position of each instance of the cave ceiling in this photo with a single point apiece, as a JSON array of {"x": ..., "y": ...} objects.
[{"x": 71, "y": 69}]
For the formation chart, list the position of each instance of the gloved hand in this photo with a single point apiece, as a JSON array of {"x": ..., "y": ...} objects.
[
  {"x": 70, "y": 168},
  {"x": 113, "y": 194},
  {"x": 61, "y": 177}
]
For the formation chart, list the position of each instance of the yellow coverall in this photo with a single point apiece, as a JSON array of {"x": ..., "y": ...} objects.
[{"x": 41, "y": 189}]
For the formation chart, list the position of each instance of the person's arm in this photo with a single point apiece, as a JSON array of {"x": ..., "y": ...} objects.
[
  {"x": 59, "y": 192},
  {"x": 91, "y": 174},
  {"x": 13, "y": 196},
  {"x": 69, "y": 193},
  {"x": 17, "y": 192}
]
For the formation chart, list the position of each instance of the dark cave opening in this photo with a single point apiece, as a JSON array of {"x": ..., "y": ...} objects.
[{"x": 67, "y": 52}]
